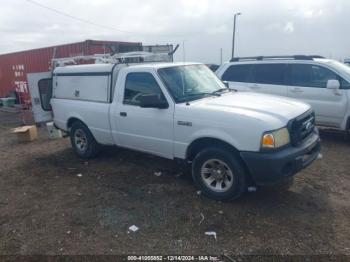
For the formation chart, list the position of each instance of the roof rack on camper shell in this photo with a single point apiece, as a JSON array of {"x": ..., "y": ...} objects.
[
  {"x": 117, "y": 58},
  {"x": 130, "y": 57},
  {"x": 260, "y": 58}
]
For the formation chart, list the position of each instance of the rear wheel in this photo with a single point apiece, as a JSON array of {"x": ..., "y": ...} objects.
[
  {"x": 219, "y": 174},
  {"x": 83, "y": 142}
]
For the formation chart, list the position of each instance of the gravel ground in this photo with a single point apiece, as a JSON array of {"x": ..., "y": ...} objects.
[{"x": 46, "y": 208}]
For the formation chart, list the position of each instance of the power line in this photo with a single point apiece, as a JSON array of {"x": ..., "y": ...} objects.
[
  {"x": 77, "y": 18},
  {"x": 82, "y": 20}
]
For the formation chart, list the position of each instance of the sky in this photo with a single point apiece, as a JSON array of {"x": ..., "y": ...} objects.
[{"x": 201, "y": 27}]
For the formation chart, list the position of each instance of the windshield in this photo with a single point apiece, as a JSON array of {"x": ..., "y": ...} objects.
[{"x": 190, "y": 82}]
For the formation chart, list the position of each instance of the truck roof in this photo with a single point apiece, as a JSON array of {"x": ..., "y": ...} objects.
[{"x": 104, "y": 68}]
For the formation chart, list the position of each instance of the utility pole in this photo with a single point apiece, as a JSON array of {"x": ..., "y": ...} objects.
[
  {"x": 220, "y": 56},
  {"x": 234, "y": 34},
  {"x": 183, "y": 51}
]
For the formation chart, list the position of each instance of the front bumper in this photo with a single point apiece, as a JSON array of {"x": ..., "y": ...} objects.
[{"x": 268, "y": 168}]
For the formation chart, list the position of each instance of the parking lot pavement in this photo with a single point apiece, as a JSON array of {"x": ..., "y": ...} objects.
[{"x": 51, "y": 202}]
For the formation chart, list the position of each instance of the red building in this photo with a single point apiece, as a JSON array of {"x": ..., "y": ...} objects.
[{"x": 14, "y": 67}]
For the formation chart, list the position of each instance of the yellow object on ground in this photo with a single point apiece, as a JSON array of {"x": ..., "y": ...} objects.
[{"x": 26, "y": 133}]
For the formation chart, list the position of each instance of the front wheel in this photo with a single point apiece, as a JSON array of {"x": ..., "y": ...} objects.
[
  {"x": 219, "y": 174},
  {"x": 83, "y": 142}
]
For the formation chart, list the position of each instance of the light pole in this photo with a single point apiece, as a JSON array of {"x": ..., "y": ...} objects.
[
  {"x": 234, "y": 33},
  {"x": 220, "y": 56},
  {"x": 183, "y": 51}
]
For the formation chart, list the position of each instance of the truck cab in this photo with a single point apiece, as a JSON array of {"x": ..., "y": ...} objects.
[{"x": 182, "y": 111}]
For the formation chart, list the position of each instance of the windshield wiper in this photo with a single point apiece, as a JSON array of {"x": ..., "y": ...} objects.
[
  {"x": 224, "y": 89},
  {"x": 186, "y": 98}
]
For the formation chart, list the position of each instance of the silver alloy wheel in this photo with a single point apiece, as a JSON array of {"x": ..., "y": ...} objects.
[
  {"x": 80, "y": 140},
  {"x": 217, "y": 175}
]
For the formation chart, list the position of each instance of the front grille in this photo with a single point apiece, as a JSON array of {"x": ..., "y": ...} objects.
[{"x": 301, "y": 127}]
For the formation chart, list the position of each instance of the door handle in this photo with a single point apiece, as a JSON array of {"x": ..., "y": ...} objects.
[
  {"x": 296, "y": 90},
  {"x": 337, "y": 93},
  {"x": 123, "y": 114},
  {"x": 255, "y": 86}
]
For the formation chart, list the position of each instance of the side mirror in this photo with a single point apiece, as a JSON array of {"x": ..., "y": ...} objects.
[
  {"x": 333, "y": 84},
  {"x": 227, "y": 84},
  {"x": 153, "y": 101}
]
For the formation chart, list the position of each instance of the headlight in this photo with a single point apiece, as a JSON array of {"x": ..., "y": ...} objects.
[{"x": 275, "y": 139}]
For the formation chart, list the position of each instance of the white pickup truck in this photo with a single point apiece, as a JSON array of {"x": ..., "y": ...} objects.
[{"x": 182, "y": 111}]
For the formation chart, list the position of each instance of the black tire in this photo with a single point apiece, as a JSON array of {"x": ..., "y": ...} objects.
[
  {"x": 232, "y": 190},
  {"x": 92, "y": 147}
]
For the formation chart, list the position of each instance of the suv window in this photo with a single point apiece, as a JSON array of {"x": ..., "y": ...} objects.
[
  {"x": 344, "y": 84},
  {"x": 138, "y": 84},
  {"x": 273, "y": 74},
  {"x": 311, "y": 75},
  {"x": 237, "y": 73}
]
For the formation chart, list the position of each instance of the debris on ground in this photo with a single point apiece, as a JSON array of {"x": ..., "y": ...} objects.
[
  {"x": 199, "y": 192},
  {"x": 221, "y": 212},
  {"x": 319, "y": 156},
  {"x": 211, "y": 233},
  {"x": 79, "y": 175},
  {"x": 133, "y": 228},
  {"x": 202, "y": 219},
  {"x": 252, "y": 189},
  {"x": 25, "y": 133},
  {"x": 158, "y": 173}
]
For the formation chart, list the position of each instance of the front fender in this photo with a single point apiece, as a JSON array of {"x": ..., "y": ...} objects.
[{"x": 216, "y": 134}]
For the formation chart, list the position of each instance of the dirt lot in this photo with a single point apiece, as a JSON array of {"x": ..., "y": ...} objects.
[{"x": 45, "y": 208}]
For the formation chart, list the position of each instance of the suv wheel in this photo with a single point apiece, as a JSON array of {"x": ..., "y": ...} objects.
[
  {"x": 219, "y": 174},
  {"x": 83, "y": 142}
]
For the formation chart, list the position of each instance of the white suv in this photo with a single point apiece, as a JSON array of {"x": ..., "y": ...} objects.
[{"x": 323, "y": 83}]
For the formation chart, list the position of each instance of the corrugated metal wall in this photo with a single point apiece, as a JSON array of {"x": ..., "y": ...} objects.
[{"x": 14, "y": 67}]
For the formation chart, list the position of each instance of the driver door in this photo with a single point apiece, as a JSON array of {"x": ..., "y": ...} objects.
[
  {"x": 143, "y": 129},
  {"x": 308, "y": 82}
]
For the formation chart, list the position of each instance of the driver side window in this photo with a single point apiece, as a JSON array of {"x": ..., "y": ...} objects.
[
  {"x": 139, "y": 84},
  {"x": 308, "y": 75}
]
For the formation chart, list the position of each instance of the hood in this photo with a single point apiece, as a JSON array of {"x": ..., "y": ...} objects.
[{"x": 259, "y": 106}]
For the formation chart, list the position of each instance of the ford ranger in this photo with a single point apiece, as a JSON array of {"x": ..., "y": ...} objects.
[{"x": 182, "y": 111}]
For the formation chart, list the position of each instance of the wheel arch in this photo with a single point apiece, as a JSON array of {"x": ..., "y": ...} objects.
[
  {"x": 200, "y": 143},
  {"x": 71, "y": 120}
]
